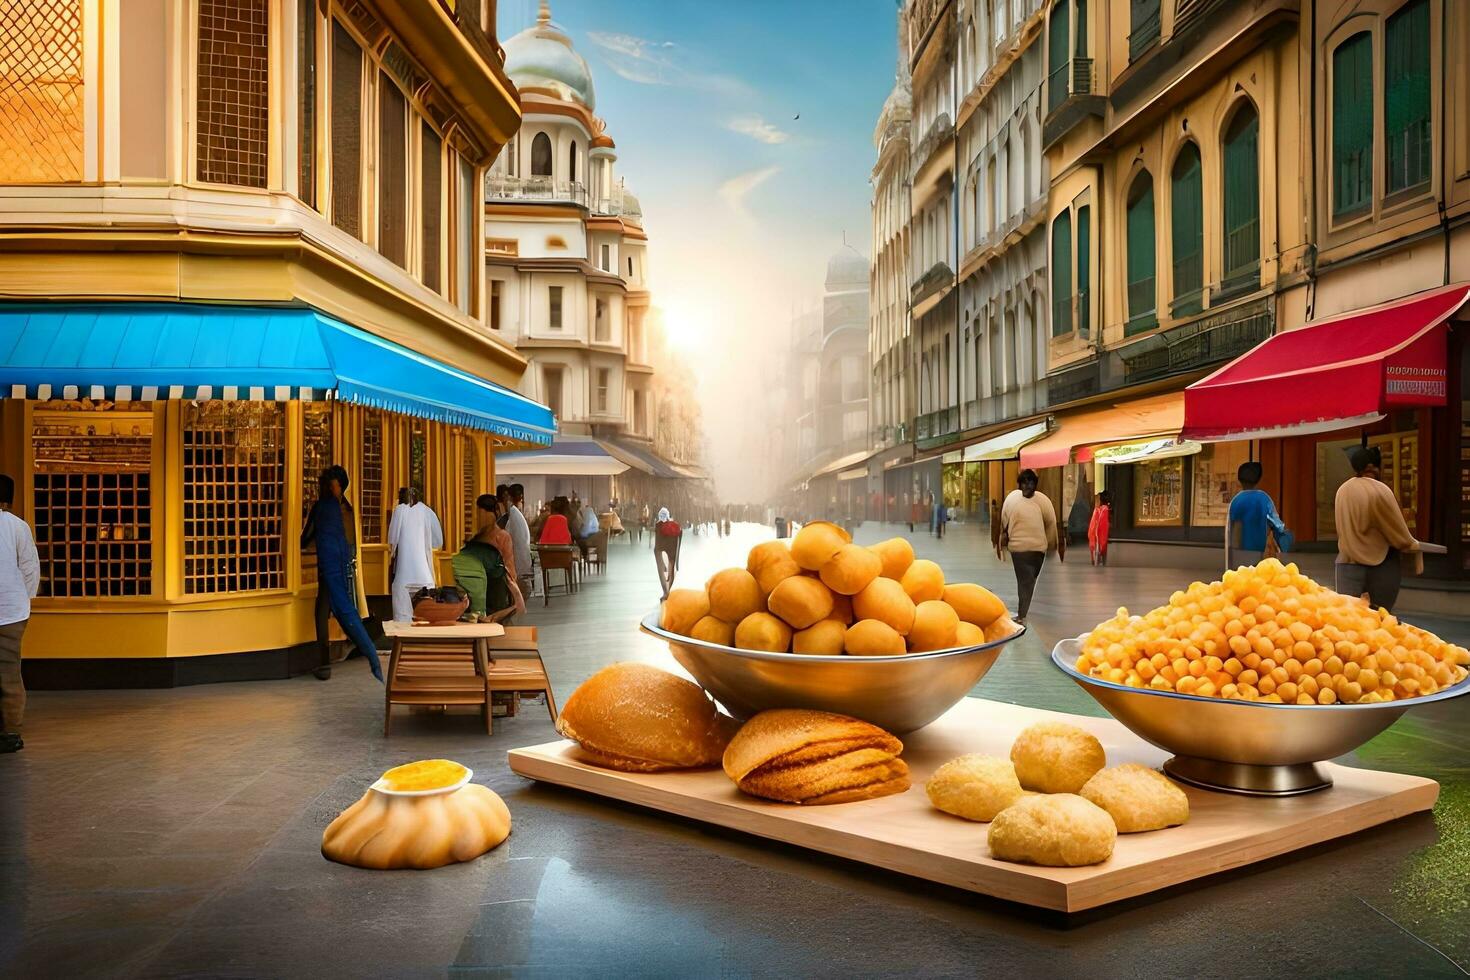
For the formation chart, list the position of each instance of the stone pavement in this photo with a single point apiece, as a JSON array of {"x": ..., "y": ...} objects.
[{"x": 159, "y": 833}]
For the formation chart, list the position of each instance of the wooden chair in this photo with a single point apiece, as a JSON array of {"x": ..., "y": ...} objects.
[
  {"x": 554, "y": 560},
  {"x": 597, "y": 551},
  {"x": 515, "y": 664}
]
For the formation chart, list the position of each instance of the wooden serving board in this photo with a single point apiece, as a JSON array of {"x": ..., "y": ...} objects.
[{"x": 904, "y": 833}]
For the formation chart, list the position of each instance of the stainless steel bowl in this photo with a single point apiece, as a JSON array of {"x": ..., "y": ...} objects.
[
  {"x": 1251, "y": 747},
  {"x": 899, "y": 694}
]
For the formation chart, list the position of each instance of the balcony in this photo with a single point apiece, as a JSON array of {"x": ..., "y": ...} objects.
[
  {"x": 1197, "y": 344},
  {"x": 1069, "y": 98},
  {"x": 619, "y": 205},
  {"x": 502, "y": 187},
  {"x": 940, "y": 131},
  {"x": 1066, "y": 80},
  {"x": 937, "y": 425}
]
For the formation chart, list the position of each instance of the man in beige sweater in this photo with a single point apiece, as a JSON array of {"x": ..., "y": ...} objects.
[
  {"x": 1028, "y": 530},
  {"x": 1371, "y": 532}
]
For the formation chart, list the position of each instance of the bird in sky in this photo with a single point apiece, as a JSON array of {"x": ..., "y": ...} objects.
[{"x": 796, "y": 117}]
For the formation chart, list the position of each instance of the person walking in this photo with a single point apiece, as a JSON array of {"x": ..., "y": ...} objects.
[
  {"x": 1371, "y": 532},
  {"x": 1099, "y": 525},
  {"x": 330, "y": 527},
  {"x": 667, "y": 535},
  {"x": 941, "y": 516},
  {"x": 1250, "y": 520},
  {"x": 20, "y": 579},
  {"x": 1028, "y": 530},
  {"x": 413, "y": 536}
]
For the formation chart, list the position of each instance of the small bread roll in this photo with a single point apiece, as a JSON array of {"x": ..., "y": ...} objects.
[
  {"x": 886, "y": 601},
  {"x": 850, "y": 570},
  {"x": 935, "y": 627},
  {"x": 762, "y": 631},
  {"x": 924, "y": 580},
  {"x": 733, "y": 595},
  {"x": 638, "y": 718},
  {"x": 682, "y": 609},
  {"x": 1061, "y": 830},
  {"x": 801, "y": 600},
  {"x": 815, "y": 758},
  {"x": 1053, "y": 757},
  {"x": 822, "y": 638},
  {"x": 1137, "y": 798},
  {"x": 974, "y": 603},
  {"x": 873, "y": 638},
  {"x": 897, "y": 555},
  {"x": 975, "y": 787},
  {"x": 712, "y": 630},
  {"x": 817, "y": 542}
]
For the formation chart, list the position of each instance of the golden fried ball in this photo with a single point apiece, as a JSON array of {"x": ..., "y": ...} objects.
[
  {"x": 762, "y": 631},
  {"x": 1060, "y": 830},
  {"x": 968, "y": 635},
  {"x": 886, "y": 601},
  {"x": 923, "y": 581},
  {"x": 935, "y": 627},
  {"x": 824, "y": 638},
  {"x": 766, "y": 553},
  {"x": 850, "y": 570},
  {"x": 801, "y": 600},
  {"x": 841, "y": 609},
  {"x": 897, "y": 555},
  {"x": 771, "y": 562},
  {"x": 1054, "y": 757},
  {"x": 1137, "y": 798},
  {"x": 873, "y": 638},
  {"x": 733, "y": 595},
  {"x": 817, "y": 542},
  {"x": 682, "y": 609},
  {"x": 974, "y": 603},
  {"x": 712, "y": 630},
  {"x": 975, "y": 787}
]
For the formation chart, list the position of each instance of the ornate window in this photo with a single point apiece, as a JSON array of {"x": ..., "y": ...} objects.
[
  {"x": 41, "y": 87},
  {"x": 541, "y": 156},
  {"x": 346, "y": 132},
  {"x": 431, "y": 198},
  {"x": 232, "y": 102},
  {"x": 1352, "y": 125},
  {"x": 1242, "y": 203},
  {"x": 306, "y": 102},
  {"x": 370, "y": 481},
  {"x": 234, "y": 479},
  {"x": 1406, "y": 107},
  {"x": 1187, "y": 230},
  {"x": 1142, "y": 304},
  {"x": 1061, "y": 275}
]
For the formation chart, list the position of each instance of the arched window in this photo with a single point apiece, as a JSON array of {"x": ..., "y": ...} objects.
[
  {"x": 1241, "y": 268},
  {"x": 1142, "y": 304},
  {"x": 1061, "y": 275},
  {"x": 1352, "y": 125},
  {"x": 1406, "y": 100},
  {"x": 1084, "y": 270},
  {"x": 1187, "y": 229},
  {"x": 541, "y": 156},
  {"x": 572, "y": 163}
]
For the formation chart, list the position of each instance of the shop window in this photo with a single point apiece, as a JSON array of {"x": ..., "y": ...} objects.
[
  {"x": 392, "y": 172},
  {"x": 1406, "y": 107},
  {"x": 541, "y": 156},
  {"x": 306, "y": 102},
  {"x": 346, "y": 132},
  {"x": 1158, "y": 493},
  {"x": 1352, "y": 125},
  {"x": 431, "y": 203},
  {"x": 234, "y": 480},
  {"x": 1061, "y": 275},
  {"x": 1187, "y": 230},
  {"x": 469, "y": 476},
  {"x": 1242, "y": 208},
  {"x": 233, "y": 118},
  {"x": 93, "y": 501},
  {"x": 1142, "y": 304},
  {"x": 1084, "y": 271},
  {"x": 316, "y": 450},
  {"x": 370, "y": 480},
  {"x": 1214, "y": 482},
  {"x": 42, "y": 136},
  {"x": 553, "y": 307}
]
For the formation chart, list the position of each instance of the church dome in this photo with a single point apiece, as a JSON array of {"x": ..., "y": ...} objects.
[
  {"x": 543, "y": 57},
  {"x": 847, "y": 268}
]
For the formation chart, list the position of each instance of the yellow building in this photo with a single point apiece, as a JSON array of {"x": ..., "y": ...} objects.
[{"x": 239, "y": 240}]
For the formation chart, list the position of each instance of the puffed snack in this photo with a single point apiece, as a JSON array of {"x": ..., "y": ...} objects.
[
  {"x": 1058, "y": 830},
  {"x": 1137, "y": 798},
  {"x": 1052, "y": 757},
  {"x": 974, "y": 786}
]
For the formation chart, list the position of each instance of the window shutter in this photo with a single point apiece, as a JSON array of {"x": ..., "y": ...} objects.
[
  {"x": 1084, "y": 271},
  {"x": 1352, "y": 124},
  {"x": 1141, "y": 291},
  {"x": 1061, "y": 275},
  {"x": 1242, "y": 204},
  {"x": 1186, "y": 201},
  {"x": 1406, "y": 115},
  {"x": 1057, "y": 46}
]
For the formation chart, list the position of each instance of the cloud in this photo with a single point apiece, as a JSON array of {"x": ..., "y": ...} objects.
[
  {"x": 734, "y": 191},
  {"x": 757, "y": 129},
  {"x": 650, "y": 62}
]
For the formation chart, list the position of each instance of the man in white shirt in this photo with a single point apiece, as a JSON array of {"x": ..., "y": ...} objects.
[
  {"x": 20, "y": 577},
  {"x": 520, "y": 537}
]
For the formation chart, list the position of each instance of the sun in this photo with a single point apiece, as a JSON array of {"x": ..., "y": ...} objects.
[{"x": 687, "y": 321}]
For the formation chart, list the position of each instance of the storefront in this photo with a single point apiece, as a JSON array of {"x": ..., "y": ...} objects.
[
  {"x": 910, "y": 488},
  {"x": 167, "y": 454}
]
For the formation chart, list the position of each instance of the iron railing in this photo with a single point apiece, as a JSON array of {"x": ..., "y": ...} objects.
[
  {"x": 1071, "y": 78},
  {"x": 1142, "y": 306},
  {"x": 1200, "y": 343},
  {"x": 1189, "y": 278}
]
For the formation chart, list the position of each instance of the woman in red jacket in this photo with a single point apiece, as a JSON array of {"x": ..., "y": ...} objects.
[
  {"x": 1098, "y": 528},
  {"x": 666, "y": 537},
  {"x": 556, "y": 530}
]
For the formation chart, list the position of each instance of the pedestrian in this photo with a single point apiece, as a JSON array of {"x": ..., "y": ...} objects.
[
  {"x": 1251, "y": 519},
  {"x": 413, "y": 537},
  {"x": 520, "y": 537},
  {"x": 1028, "y": 530},
  {"x": 20, "y": 579},
  {"x": 914, "y": 511},
  {"x": 1099, "y": 524},
  {"x": 941, "y": 516},
  {"x": 331, "y": 528},
  {"x": 1371, "y": 531},
  {"x": 667, "y": 535}
]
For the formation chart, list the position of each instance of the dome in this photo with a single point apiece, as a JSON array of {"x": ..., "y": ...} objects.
[
  {"x": 847, "y": 268},
  {"x": 542, "y": 57}
]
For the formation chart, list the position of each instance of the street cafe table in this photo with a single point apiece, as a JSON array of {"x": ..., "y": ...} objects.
[{"x": 439, "y": 665}]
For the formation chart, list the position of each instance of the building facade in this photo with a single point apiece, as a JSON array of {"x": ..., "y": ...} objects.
[{"x": 239, "y": 241}]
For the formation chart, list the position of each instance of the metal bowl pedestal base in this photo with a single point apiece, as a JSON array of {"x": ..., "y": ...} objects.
[{"x": 1234, "y": 777}]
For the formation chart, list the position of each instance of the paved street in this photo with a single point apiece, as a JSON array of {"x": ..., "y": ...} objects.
[{"x": 162, "y": 832}]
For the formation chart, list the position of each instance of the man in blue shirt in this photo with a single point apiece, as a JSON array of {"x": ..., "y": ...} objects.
[{"x": 1252, "y": 514}]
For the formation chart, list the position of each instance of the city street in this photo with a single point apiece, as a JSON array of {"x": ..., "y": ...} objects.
[{"x": 153, "y": 832}]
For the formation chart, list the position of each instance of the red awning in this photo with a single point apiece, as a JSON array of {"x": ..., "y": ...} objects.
[{"x": 1334, "y": 373}]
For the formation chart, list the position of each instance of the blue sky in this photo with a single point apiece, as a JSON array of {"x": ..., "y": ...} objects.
[{"x": 743, "y": 202}]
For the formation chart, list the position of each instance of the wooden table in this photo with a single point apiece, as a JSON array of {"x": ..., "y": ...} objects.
[
  {"x": 904, "y": 833},
  {"x": 456, "y": 672}
]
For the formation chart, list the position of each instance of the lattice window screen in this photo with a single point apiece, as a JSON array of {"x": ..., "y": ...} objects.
[
  {"x": 234, "y": 497},
  {"x": 234, "y": 114},
  {"x": 371, "y": 481},
  {"x": 41, "y": 127}
]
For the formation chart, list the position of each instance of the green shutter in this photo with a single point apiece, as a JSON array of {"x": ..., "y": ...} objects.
[
  {"x": 1144, "y": 26},
  {"x": 1242, "y": 247},
  {"x": 1081, "y": 20},
  {"x": 1352, "y": 124},
  {"x": 1141, "y": 291},
  {"x": 1406, "y": 116},
  {"x": 1084, "y": 271},
  {"x": 1186, "y": 203},
  {"x": 1058, "y": 44},
  {"x": 1061, "y": 275}
]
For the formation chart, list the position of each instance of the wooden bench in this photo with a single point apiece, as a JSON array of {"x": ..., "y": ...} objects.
[
  {"x": 439, "y": 665},
  {"x": 516, "y": 665}
]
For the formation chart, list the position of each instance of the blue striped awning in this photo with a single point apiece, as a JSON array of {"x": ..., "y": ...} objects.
[{"x": 148, "y": 351}]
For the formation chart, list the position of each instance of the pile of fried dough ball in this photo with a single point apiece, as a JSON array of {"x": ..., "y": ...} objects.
[
  {"x": 1055, "y": 802},
  {"x": 825, "y": 595},
  {"x": 1269, "y": 633}
]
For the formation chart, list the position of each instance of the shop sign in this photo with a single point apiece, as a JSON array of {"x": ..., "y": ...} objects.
[{"x": 1416, "y": 374}]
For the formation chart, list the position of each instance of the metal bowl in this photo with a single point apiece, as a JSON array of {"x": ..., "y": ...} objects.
[
  {"x": 1252, "y": 747},
  {"x": 899, "y": 694}
]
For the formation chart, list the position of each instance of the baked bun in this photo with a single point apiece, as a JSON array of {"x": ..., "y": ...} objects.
[
  {"x": 1137, "y": 798},
  {"x": 637, "y": 718},
  {"x": 1053, "y": 757},
  {"x": 1060, "y": 830},
  {"x": 975, "y": 787},
  {"x": 793, "y": 755}
]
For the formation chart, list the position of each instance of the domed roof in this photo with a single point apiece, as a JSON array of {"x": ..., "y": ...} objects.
[
  {"x": 846, "y": 268},
  {"x": 542, "y": 57}
]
